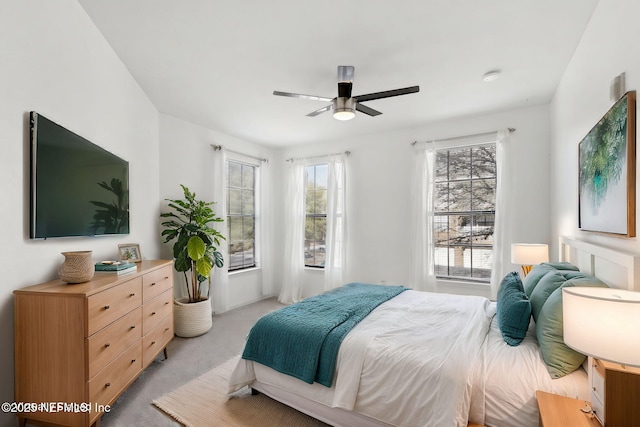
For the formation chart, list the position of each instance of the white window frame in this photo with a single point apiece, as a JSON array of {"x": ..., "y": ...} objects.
[
  {"x": 470, "y": 212},
  {"x": 315, "y": 215},
  {"x": 245, "y": 162}
]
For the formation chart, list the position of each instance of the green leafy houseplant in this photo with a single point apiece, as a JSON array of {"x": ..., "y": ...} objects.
[{"x": 195, "y": 250}]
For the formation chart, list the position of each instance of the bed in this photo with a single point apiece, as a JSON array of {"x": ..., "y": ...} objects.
[{"x": 426, "y": 359}]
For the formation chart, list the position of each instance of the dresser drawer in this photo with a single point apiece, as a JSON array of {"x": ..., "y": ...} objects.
[
  {"x": 155, "y": 310},
  {"x": 105, "y": 345},
  {"x": 156, "y": 282},
  {"x": 597, "y": 381},
  {"x": 156, "y": 340},
  {"x": 109, "y": 382},
  {"x": 107, "y": 306},
  {"x": 598, "y": 408}
]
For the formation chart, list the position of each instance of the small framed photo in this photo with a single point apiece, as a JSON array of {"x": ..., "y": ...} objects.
[{"x": 130, "y": 252}]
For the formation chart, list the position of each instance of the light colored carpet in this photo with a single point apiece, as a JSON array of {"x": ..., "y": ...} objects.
[{"x": 203, "y": 402}]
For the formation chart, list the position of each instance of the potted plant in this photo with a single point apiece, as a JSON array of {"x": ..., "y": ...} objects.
[{"x": 196, "y": 254}]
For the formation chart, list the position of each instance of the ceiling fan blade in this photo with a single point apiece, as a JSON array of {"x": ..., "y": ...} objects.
[
  {"x": 387, "y": 93},
  {"x": 367, "y": 110},
  {"x": 301, "y": 96},
  {"x": 320, "y": 111}
]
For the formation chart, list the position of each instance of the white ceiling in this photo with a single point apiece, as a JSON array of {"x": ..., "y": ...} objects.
[{"x": 216, "y": 63}]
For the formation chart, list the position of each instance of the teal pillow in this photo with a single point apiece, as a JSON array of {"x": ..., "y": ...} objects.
[
  {"x": 545, "y": 287},
  {"x": 537, "y": 272},
  {"x": 581, "y": 279},
  {"x": 513, "y": 309},
  {"x": 534, "y": 276},
  {"x": 560, "y": 359},
  {"x": 562, "y": 265}
]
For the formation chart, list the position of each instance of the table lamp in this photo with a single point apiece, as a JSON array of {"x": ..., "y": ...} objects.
[
  {"x": 604, "y": 323},
  {"x": 529, "y": 254}
]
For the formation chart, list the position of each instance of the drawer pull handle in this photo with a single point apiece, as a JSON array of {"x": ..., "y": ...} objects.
[
  {"x": 133, "y": 360},
  {"x": 107, "y": 385},
  {"x": 594, "y": 389},
  {"x": 153, "y": 284},
  {"x": 132, "y": 294},
  {"x": 166, "y": 329},
  {"x": 107, "y": 345},
  {"x": 166, "y": 277},
  {"x": 153, "y": 313},
  {"x": 153, "y": 343},
  {"x": 133, "y": 326},
  {"x": 106, "y": 307}
]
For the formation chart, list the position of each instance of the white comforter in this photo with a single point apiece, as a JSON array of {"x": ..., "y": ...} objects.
[
  {"x": 383, "y": 367},
  {"x": 411, "y": 362}
]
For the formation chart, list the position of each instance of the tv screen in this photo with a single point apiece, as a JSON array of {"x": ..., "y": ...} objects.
[{"x": 77, "y": 188}]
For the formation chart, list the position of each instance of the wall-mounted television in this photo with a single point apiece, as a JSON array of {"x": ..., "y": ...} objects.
[{"x": 77, "y": 187}]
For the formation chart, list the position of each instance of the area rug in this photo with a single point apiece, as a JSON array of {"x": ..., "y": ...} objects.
[{"x": 203, "y": 402}]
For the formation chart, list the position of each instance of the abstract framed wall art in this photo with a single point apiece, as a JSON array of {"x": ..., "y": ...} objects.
[{"x": 607, "y": 169}]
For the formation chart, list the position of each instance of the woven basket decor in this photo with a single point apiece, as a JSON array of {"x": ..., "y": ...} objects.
[
  {"x": 77, "y": 267},
  {"x": 191, "y": 319}
]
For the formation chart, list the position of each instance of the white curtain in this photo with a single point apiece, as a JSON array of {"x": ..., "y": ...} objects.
[
  {"x": 220, "y": 278},
  {"x": 294, "y": 234},
  {"x": 263, "y": 227},
  {"x": 424, "y": 278},
  {"x": 505, "y": 219},
  {"x": 335, "y": 248}
]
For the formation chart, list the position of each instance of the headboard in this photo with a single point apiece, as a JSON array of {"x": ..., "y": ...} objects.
[{"x": 617, "y": 268}]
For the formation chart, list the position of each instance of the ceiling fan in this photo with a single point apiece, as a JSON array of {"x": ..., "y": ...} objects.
[{"x": 344, "y": 106}]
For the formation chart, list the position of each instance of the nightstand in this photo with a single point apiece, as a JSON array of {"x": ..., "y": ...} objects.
[
  {"x": 615, "y": 392},
  {"x": 560, "y": 411}
]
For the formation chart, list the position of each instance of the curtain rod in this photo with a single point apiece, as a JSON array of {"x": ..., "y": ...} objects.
[
  {"x": 511, "y": 130},
  {"x": 346, "y": 153},
  {"x": 220, "y": 147}
]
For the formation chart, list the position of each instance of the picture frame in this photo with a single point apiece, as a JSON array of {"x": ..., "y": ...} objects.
[
  {"x": 129, "y": 252},
  {"x": 607, "y": 172}
]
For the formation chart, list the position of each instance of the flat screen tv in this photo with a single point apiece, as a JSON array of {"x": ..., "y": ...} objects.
[{"x": 77, "y": 188}]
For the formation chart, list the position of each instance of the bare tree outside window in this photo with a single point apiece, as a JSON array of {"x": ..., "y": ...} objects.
[
  {"x": 241, "y": 179},
  {"x": 316, "y": 184},
  {"x": 465, "y": 194}
]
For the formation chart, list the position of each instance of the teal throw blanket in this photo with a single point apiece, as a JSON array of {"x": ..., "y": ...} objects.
[{"x": 302, "y": 340}]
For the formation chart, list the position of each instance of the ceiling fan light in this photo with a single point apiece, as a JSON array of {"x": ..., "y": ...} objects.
[
  {"x": 344, "y": 108},
  {"x": 344, "y": 114}
]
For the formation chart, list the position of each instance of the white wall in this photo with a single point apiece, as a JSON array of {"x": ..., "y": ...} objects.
[
  {"x": 54, "y": 61},
  {"x": 186, "y": 157},
  {"x": 379, "y": 193},
  {"x": 608, "y": 48}
]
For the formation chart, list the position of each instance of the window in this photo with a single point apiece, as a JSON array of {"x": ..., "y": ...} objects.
[
  {"x": 316, "y": 215},
  {"x": 464, "y": 212},
  {"x": 241, "y": 218}
]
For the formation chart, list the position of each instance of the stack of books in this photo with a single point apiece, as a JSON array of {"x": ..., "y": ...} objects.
[{"x": 115, "y": 267}]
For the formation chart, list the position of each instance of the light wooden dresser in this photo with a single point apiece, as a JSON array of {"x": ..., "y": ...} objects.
[{"x": 79, "y": 346}]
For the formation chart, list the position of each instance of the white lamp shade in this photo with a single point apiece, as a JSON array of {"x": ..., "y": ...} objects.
[
  {"x": 603, "y": 323},
  {"x": 529, "y": 253}
]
